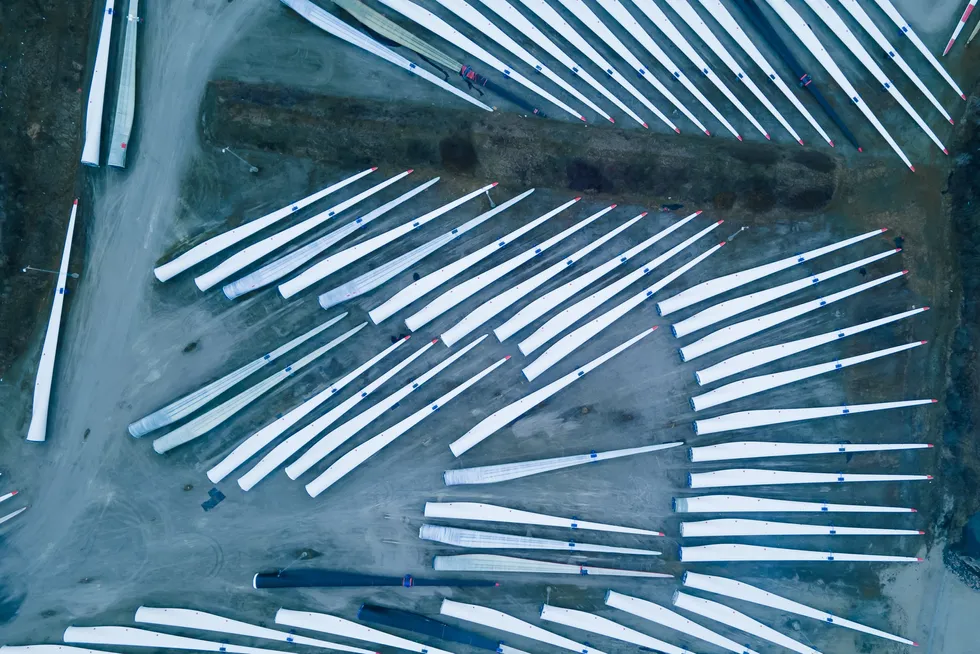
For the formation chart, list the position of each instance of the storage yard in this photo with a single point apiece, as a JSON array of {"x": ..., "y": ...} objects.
[{"x": 578, "y": 247}]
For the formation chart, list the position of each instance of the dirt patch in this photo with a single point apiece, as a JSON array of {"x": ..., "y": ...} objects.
[
  {"x": 41, "y": 108},
  {"x": 633, "y": 165}
]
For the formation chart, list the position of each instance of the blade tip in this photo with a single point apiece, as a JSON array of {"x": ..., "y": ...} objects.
[
  {"x": 934, "y": 400},
  {"x": 860, "y": 149},
  {"x": 410, "y": 170},
  {"x": 645, "y": 125},
  {"x": 722, "y": 243},
  {"x": 832, "y": 144},
  {"x": 768, "y": 138},
  {"x": 905, "y": 272},
  {"x": 643, "y": 215},
  {"x": 495, "y": 183},
  {"x": 75, "y": 202},
  {"x": 582, "y": 118},
  {"x": 14, "y": 492},
  {"x": 699, "y": 212},
  {"x": 577, "y": 199},
  {"x": 507, "y": 358},
  {"x": 612, "y": 206},
  {"x": 435, "y": 340},
  {"x": 374, "y": 168},
  {"x": 612, "y": 120},
  {"x": 738, "y": 136},
  {"x": 677, "y": 130},
  {"x": 407, "y": 337},
  {"x": 800, "y": 141}
]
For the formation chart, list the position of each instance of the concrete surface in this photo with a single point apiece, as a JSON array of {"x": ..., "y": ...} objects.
[{"x": 113, "y": 525}]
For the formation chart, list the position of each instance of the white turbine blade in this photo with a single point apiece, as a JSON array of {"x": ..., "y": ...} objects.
[
  {"x": 497, "y": 563},
  {"x": 861, "y": 16},
  {"x": 734, "y": 619},
  {"x": 346, "y": 431},
  {"x": 92, "y": 148},
  {"x": 728, "y": 23},
  {"x": 372, "y": 446},
  {"x": 906, "y": 29},
  {"x": 333, "y": 25},
  {"x": 467, "y": 289},
  {"x": 735, "y": 450},
  {"x": 490, "y": 540},
  {"x": 738, "y": 552},
  {"x": 480, "y": 512},
  {"x": 37, "y": 431},
  {"x": 959, "y": 25},
  {"x": 294, "y": 443},
  {"x": 517, "y": 20},
  {"x": 659, "y": 18},
  {"x": 507, "y": 471},
  {"x": 12, "y": 515},
  {"x": 345, "y": 257},
  {"x": 190, "y": 619},
  {"x": 435, "y": 279},
  {"x": 746, "y": 593},
  {"x": 719, "y": 285},
  {"x": 130, "y": 637},
  {"x": 594, "y": 327},
  {"x": 331, "y": 624},
  {"x": 743, "y": 527},
  {"x": 741, "y": 477},
  {"x": 753, "y": 358},
  {"x": 552, "y": 299},
  {"x": 254, "y": 443},
  {"x": 500, "y": 302},
  {"x": 386, "y": 271},
  {"x": 840, "y": 29},
  {"x": 761, "y": 418},
  {"x": 191, "y": 402},
  {"x": 738, "y": 331},
  {"x": 7, "y": 496},
  {"x": 568, "y": 317},
  {"x": 441, "y": 28},
  {"x": 604, "y": 627},
  {"x": 745, "y": 504},
  {"x": 803, "y": 32},
  {"x": 503, "y": 417},
  {"x": 279, "y": 268},
  {"x": 48, "y": 649},
  {"x": 683, "y": 9},
  {"x": 752, "y": 385},
  {"x": 252, "y": 253},
  {"x": 487, "y": 28},
  {"x": 122, "y": 119},
  {"x": 594, "y": 23},
  {"x": 227, "y": 409},
  {"x": 225, "y": 240},
  {"x": 498, "y": 620},
  {"x": 729, "y": 308},
  {"x": 554, "y": 20},
  {"x": 667, "y": 618}
]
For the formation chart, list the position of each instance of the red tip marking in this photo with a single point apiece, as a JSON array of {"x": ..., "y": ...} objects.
[
  {"x": 374, "y": 169},
  {"x": 912, "y": 168},
  {"x": 934, "y": 401},
  {"x": 898, "y": 249},
  {"x": 698, "y": 212},
  {"x": 643, "y": 214},
  {"x": 801, "y": 142},
  {"x": 496, "y": 584},
  {"x": 768, "y": 138},
  {"x": 612, "y": 120},
  {"x": 905, "y": 272},
  {"x": 860, "y": 149},
  {"x": 919, "y": 559},
  {"x": 719, "y": 222},
  {"x": 923, "y": 342},
  {"x": 952, "y": 122},
  {"x": 407, "y": 337},
  {"x": 76, "y": 201},
  {"x": 921, "y": 533},
  {"x": 654, "y": 328},
  {"x": 948, "y": 46},
  {"x": 914, "y": 510},
  {"x": 507, "y": 358},
  {"x": 495, "y": 183},
  {"x": 738, "y": 136},
  {"x": 914, "y": 644},
  {"x": 928, "y": 445},
  {"x": 925, "y": 308},
  {"x": 945, "y": 151},
  {"x": 645, "y": 125},
  {"x": 410, "y": 170},
  {"x": 582, "y": 118},
  {"x": 963, "y": 95},
  {"x": 577, "y": 199},
  {"x": 831, "y": 144},
  {"x": 435, "y": 340},
  {"x": 884, "y": 229},
  {"x": 13, "y": 492},
  {"x": 612, "y": 206},
  {"x": 677, "y": 130},
  {"x": 722, "y": 243},
  {"x": 707, "y": 132}
]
